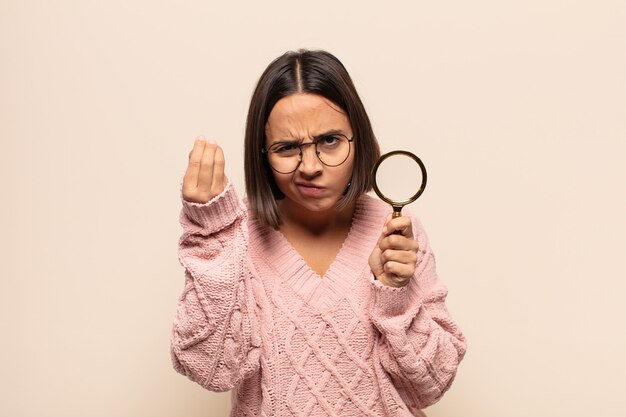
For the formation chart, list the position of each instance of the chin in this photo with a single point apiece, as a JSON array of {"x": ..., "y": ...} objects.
[{"x": 318, "y": 206}]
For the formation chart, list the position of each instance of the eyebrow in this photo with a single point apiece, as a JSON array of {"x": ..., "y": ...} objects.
[
  {"x": 329, "y": 133},
  {"x": 316, "y": 137}
]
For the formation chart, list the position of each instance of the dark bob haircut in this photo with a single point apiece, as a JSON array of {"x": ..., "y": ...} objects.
[{"x": 313, "y": 72}]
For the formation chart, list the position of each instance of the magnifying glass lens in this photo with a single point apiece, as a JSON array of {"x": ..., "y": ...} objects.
[{"x": 399, "y": 177}]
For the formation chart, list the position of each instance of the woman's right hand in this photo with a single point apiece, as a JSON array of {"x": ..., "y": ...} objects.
[{"x": 204, "y": 178}]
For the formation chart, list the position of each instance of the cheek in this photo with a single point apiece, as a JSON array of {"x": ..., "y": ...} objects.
[{"x": 281, "y": 181}]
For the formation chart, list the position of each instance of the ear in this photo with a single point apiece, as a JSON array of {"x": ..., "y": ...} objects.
[{"x": 347, "y": 188}]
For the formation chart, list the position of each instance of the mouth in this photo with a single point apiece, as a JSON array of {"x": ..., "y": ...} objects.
[{"x": 310, "y": 190}]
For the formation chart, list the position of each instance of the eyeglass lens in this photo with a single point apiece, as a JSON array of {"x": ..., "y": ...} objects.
[{"x": 284, "y": 157}]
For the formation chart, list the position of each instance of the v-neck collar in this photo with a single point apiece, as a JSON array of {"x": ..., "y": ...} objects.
[{"x": 322, "y": 292}]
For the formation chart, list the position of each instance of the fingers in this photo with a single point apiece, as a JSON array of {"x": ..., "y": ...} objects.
[
  {"x": 399, "y": 262},
  {"x": 398, "y": 252},
  {"x": 219, "y": 179},
  {"x": 398, "y": 235},
  {"x": 204, "y": 178},
  {"x": 408, "y": 257},
  {"x": 398, "y": 242},
  {"x": 190, "y": 180},
  {"x": 399, "y": 225}
]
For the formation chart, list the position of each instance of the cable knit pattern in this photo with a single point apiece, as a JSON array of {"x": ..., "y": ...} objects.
[{"x": 254, "y": 318}]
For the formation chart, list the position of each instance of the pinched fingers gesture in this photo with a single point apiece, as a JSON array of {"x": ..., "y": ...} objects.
[
  {"x": 204, "y": 178},
  {"x": 394, "y": 258}
]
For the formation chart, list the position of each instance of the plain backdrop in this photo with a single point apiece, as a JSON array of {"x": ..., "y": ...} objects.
[{"x": 518, "y": 109}]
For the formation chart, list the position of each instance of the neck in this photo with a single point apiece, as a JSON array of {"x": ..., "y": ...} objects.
[{"x": 315, "y": 222}]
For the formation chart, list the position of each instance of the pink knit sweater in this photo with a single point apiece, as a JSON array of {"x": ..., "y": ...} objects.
[{"x": 255, "y": 319}]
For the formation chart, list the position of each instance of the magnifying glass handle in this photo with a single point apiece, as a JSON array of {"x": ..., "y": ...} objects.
[{"x": 397, "y": 212}]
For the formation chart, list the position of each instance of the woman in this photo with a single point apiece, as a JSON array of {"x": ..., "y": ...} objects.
[{"x": 308, "y": 298}]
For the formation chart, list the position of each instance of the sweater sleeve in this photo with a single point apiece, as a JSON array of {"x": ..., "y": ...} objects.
[
  {"x": 420, "y": 345},
  {"x": 214, "y": 338}
]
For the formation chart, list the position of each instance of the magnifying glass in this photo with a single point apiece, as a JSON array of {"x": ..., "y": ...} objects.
[{"x": 399, "y": 178}]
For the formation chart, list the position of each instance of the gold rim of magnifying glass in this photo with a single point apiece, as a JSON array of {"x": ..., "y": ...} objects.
[{"x": 397, "y": 205}]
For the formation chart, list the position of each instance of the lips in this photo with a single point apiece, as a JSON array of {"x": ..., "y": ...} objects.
[{"x": 310, "y": 190}]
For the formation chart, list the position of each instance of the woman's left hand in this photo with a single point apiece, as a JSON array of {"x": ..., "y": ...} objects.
[{"x": 394, "y": 258}]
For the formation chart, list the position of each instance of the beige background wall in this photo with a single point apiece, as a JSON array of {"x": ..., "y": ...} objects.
[{"x": 518, "y": 109}]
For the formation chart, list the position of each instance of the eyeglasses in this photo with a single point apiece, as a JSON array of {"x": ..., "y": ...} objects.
[{"x": 332, "y": 150}]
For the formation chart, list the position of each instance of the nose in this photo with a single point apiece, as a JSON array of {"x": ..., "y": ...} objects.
[{"x": 309, "y": 162}]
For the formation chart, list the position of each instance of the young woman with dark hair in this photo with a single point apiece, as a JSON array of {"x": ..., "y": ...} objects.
[{"x": 307, "y": 298}]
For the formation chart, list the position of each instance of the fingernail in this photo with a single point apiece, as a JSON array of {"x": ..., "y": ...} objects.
[
  {"x": 212, "y": 142},
  {"x": 200, "y": 138}
]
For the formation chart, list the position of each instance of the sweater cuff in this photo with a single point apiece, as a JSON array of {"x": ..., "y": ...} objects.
[
  {"x": 219, "y": 212},
  {"x": 390, "y": 301}
]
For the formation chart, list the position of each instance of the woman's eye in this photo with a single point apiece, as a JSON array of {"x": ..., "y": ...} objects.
[
  {"x": 285, "y": 148},
  {"x": 329, "y": 140}
]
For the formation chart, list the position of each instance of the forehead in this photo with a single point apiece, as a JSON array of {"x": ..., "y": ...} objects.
[{"x": 305, "y": 115}]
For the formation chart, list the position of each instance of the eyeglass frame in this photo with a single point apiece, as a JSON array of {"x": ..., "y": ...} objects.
[{"x": 317, "y": 154}]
